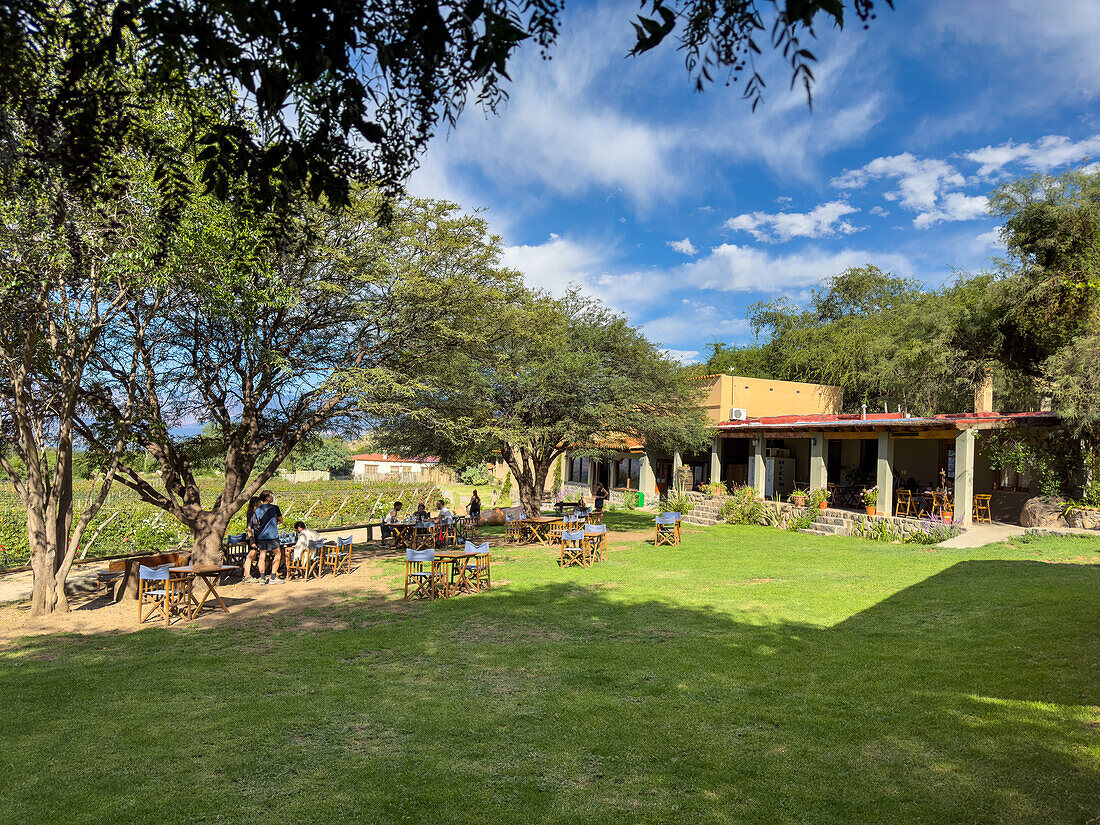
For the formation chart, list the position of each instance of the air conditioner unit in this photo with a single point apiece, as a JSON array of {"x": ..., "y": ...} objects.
[{"x": 738, "y": 414}]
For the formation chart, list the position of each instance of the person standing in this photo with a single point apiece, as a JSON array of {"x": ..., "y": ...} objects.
[
  {"x": 601, "y": 495},
  {"x": 473, "y": 510},
  {"x": 265, "y": 525},
  {"x": 250, "y": 556}
]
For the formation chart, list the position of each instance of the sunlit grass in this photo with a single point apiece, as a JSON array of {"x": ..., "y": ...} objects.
[{"x": 749, "y": 675}]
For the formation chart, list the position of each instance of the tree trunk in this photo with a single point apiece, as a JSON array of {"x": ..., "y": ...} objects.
[
  {"x": 43, "y": 564},
  {"x": 207, "y": 533}
]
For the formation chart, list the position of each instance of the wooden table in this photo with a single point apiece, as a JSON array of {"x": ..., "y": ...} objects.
[
  {"x": 206, "y": 572},
  {"x": 538, "y": 528},
  {"x": 458, "y": 581},
  {"x": 402, "y": 532}
]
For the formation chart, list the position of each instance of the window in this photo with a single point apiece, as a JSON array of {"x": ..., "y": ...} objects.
[
  {"x": 628, "y": 472},
  {"x": 578, "y": 470}
]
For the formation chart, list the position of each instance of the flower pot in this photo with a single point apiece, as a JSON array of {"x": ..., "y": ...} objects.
[
  {"x": 871, "y": 508},
  {"x": 821, "y": 505},
  {"x": 948, "y": 515}
]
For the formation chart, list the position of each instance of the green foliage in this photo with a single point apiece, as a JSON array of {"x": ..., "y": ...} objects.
[
  {"x": 1029, "y": 454},
  {"x": 556, "y": 486},
  {"x": 331, "y": 454},
  {"x": 714, "y": 489},
  {"x": 818, "y": 497},
  {"x": 870, "y": 496},
  {"x": 476, "y": 475},
  {"x": 876, "y": 530},
  {"x": 678, "y": 504},
  {"x": 803, "y": 519},
  {"x": 742, "y": 507},
  {"x": 505, "y": 497},
  {"x": 630, "y": 500}
]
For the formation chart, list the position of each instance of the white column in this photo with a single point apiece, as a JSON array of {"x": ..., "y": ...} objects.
[
  {"x": 759, "y": 470},
  {"x": 819, "y": 476},
  {"x": 964, "y": 477},
  {"x": 647, "y": 481},
  {"x": 677, "y": 463},
  {"x": 885, "y": 475},
  {"x": 716, "y": 460}
]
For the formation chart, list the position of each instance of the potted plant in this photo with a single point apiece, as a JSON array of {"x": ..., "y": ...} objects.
[
  {"x": 819, "y": 498},
  {"x": 799, "y": 498},
  {"x": 870, "y": 499}
]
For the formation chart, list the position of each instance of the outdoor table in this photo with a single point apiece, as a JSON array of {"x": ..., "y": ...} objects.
[
  {"x": 539, "y": 528},
  {"x": 561, "y": 505},
  {"x": 458, "y": 581},
  {"x": 402, "y": 533},
  {"x": 206, "y": 572}
]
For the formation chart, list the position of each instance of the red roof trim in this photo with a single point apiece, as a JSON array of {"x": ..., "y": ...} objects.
[
  {"x": 396, "y": 459},
  {"x": 873, "y": 419}
]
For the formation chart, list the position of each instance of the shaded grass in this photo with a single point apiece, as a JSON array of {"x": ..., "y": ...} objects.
[{"x": 749, "y": 675}]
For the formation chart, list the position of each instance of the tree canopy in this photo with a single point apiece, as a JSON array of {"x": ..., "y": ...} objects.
[{"x": 555, "y": 376}]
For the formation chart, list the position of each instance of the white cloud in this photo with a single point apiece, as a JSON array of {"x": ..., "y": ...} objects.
[
  {"x": 733, "y": 268},
  {"x": 879, "y": 211},
  {"x": 919, "y": 181},
  {"x": 992, "y": 238},
  {"x": 822, "y": 221},
  {"x": 693, "y": 321},
  {"x": 557, "y": 263},
  {"x": 784, "y": 199},
  {"x": 684, "y": 356},
  {"x": 954, "y": 206},
  {"x": 685, "y": 246},
  {"x": 1043, "y": 155}
]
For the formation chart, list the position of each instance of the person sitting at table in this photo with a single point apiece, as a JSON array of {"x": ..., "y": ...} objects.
[
  {"x": 581, "y": 509},
  {"x": 422, "y": 513},
  {"x": 392, "y": 517},
  {"x": 305, "y": 536},
  {"x": 444, "y": 516}
]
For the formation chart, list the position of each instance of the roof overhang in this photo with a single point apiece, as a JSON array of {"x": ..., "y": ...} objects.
[{"x": 939, "y": 426}]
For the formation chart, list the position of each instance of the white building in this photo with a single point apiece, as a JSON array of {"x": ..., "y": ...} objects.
[{"x": 383, "y": 465}]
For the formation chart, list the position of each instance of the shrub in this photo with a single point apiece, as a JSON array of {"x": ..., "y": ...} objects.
[
  {"x": 802, "y": 520},
  {"x": 714, "y": 489},
  {"x": 476, "y": 475},
  {"x": 679, "y": 504},
  {"x": 743, "y": 507},
  {"x": 630, "y": 500},
  {"x": 818, "y": 496}
]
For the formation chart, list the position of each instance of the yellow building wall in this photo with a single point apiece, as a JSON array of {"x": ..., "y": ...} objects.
[{"x": 762, "y": 397}]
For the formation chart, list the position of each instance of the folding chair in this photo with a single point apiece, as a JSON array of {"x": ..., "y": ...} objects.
[
  {"x": 423, "y": 536},
  {"x": 425, "y": 583},
  {"x": 664, "y": 531},
  {"x": 236, "y": 549},
  {"x": 308, "y": 563},
  {"x": 555, "y": 532},
  {"x": 572, "y": 548},
  {"x": 513, "y": 528},
  {"x": 162, "y": 592},
  {"x": 679, "y": 532},
  {"x": 595, "y": 543},
  {"x": 982, "y": 508},
  {"x": 465, "y": 528},
  {"x": 337, "y": 556},
  {"x": 595, "y": 517},
  {"x": 478, "y": 567},
  {"x": 905, "y": 504},
  {"x": 936, "y": 508},
  {"x": 448, "y": 535}
]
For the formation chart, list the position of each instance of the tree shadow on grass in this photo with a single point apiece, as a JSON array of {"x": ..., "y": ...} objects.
[{"x": 967, "y": 697}]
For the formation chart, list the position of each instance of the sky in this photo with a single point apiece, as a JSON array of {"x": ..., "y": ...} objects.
[{"x": 681, "y": 209}]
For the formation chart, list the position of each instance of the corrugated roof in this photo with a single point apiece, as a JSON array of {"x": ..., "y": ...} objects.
[
  {"x": 889, "y": 421},
  {"x": 396, "y": 459}
]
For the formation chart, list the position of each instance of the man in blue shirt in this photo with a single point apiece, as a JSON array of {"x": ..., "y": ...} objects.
[{"x": 265, "y": 527}]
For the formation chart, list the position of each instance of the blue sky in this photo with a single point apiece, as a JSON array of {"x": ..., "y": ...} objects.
[{"x": 681, "y": 209}]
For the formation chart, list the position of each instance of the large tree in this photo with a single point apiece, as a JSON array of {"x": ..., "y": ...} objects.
[
  {"x": 343, "y": 90},
  {"x": 261, "y": 340},
  {"x": 555, "y": 376}
]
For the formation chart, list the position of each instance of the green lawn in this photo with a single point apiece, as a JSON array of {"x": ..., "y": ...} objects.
[{"x": 748, "y": 676}]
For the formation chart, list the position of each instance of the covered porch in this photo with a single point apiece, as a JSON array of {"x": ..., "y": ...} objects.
[{"x": 847, "y": 454}]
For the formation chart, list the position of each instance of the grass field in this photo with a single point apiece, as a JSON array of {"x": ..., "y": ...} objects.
[{"x": 748, "y": 676}]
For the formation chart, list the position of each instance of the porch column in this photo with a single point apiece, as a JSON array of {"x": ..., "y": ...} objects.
[
  {"x": 647, "y": 481},
  {"x": 819, "y": 476},
  {"x": 677, "y": 463},
  {"x": 885, "y": 479},
  {"x": 964, "y": 477},
  {"x": 758, "y": 469},
  {"x": 716, "y": 460}
]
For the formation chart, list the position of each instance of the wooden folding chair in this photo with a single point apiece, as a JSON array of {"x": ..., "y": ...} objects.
[
  {"x": 423, "y": 536},
  {"x": 572, "y": 548},
  {"x": 595, "y": 543},
  {"x": 936, "y": 508},
  {"x": 982, "y": 508},
  {"x": 466, "y": 528},
  {"x": 425, "y": 583},
  {"x": 665, "y": 531},
  {"x": 595, "y": 517},
  {"x": 904, "y": 503},
  {"x": 337, "y": 556},
  {"x": 162, "y": 593},
  {"x": 513, "y": 528},
  {"x": 308, "y": 563},
  {"x": 477, "y": 568}
]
